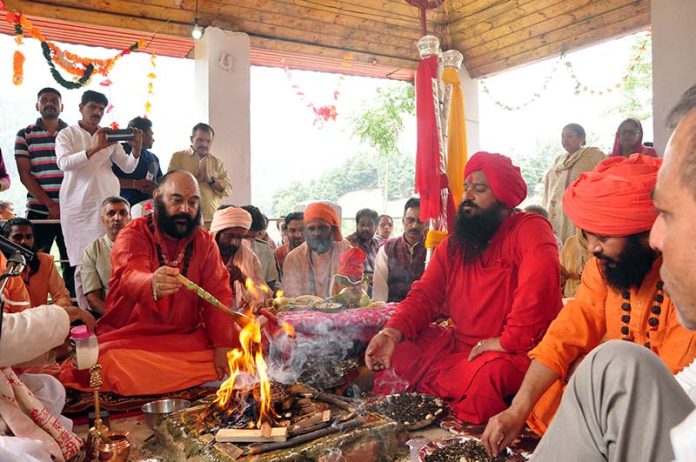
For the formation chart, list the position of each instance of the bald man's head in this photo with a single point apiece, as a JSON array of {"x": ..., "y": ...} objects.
[{"x": 177, "y": 204}]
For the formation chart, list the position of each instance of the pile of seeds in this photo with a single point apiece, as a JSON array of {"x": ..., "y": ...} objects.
[
  {"x": 410, "y": 408},
  {"x": 467, "y": 451}
]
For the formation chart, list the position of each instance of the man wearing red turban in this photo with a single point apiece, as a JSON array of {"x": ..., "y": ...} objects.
[
  {"x": 621, "y": 293},
  {"x": 308, "y": 269},
  {"x": 486, "y": 277}
]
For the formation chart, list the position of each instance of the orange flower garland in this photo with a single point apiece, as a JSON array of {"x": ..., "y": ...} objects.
[
  {"x": 18, "y": 68},
  {"x": 151, "y": 76},
  {"x": 83, "y": 68}
]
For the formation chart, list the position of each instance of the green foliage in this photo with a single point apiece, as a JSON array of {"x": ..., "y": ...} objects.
[
  {"x": 382, "y": 120},
  {"x": 534, "y": 166},
  {"x": 636, "y": 93},
  {"x": 357, "y": 173},
  {"x": 378, "y": 125}
]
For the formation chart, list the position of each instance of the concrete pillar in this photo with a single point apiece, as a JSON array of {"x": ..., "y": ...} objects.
[
  {"x": 222, "y": 72},
  {"x": 674, "y": 60},
  {"x": 471, "y": 110}
]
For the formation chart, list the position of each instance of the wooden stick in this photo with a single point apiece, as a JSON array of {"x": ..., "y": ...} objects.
[
  {"x": 332, "y": 399},
  {"x": 311, "y": 428},
  {"x": 307, "y": 437},
  {"x": 242, "y": 435},
  {"x": 239, "y": 318}
]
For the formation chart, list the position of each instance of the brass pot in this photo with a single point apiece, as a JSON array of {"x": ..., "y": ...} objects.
[{"x": 113, "y": 447}]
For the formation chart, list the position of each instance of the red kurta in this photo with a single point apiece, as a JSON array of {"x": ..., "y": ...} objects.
[
  {"x": 511, "y": 292},
  {"x": 149, "y": 347}
]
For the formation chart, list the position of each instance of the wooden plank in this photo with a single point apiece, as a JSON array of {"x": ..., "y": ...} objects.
[
  {"x": 597, "y": 23},
  {"x": 282, "y": 28},
  {"x": 624, "y": 27},
  {"x": 233, "y": 435},
  {"x": 65, "y": 13},
  {"x": 559, "y": 18},
  {"x": 459, "y": 15},
  {"x": 319, "y": 17},
  {"x": 514, "y": 19},
  {"x": 335, "y": 53}
]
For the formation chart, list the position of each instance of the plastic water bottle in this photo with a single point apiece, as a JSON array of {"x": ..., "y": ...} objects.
[{"x": 85, "y": 348}]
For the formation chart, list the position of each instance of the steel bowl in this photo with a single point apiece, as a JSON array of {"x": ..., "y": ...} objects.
[{"x": 154, "y": 410}]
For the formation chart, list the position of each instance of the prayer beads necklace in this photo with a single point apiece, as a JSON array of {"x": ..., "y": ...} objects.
[
  {"x": 655, "y": 311},
  {"x": 185, "y": 255}
]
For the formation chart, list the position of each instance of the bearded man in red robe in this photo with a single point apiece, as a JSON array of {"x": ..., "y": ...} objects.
[
  {"x": 497, "y": 277},
  {"x": 156, "y": 336}
]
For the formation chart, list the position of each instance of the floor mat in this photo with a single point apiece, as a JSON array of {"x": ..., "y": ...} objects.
[{"x": 79, "y": 401}]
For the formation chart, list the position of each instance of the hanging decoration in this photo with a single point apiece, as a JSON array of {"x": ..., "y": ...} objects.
[
  {"x": 82, "y": 69},
  {"x": 18, "y": 68},
  {"x": 323, "y": 113},
  {"x": 151, "y": 76},
  {"x": 579, "y": 86}
]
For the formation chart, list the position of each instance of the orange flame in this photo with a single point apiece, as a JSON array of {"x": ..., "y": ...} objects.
[{"x": 248, "y": 360}]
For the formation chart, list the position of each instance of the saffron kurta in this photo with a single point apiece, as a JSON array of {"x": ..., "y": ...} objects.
[
  {"x": 15, "y": 291},
  {"x": 152, "y": 347},
  {"x": 512, "y": 291},
  {"x": 47, "y": 282},
  {"x": 306, "y": 272},
  {"x": 594, "y": 316}
]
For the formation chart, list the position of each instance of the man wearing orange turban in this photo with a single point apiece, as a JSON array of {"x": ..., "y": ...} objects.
[
  {"x": 309, "y": 268},
  {"x": 486, "y": 277},
  {"x": 621, "y": 293}
]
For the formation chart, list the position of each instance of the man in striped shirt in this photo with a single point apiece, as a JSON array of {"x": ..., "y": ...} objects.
[{"x": 36, "y": 162}]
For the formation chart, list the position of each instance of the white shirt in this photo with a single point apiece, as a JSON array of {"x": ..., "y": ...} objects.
[
  {"x": 87, "y": 182},
  {"x": 682, "y": 436}
]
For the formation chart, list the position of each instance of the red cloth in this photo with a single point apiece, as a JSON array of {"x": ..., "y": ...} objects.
[
  {"x": 428, "y": 168},
  {"x": 324, "y": 212},
  {"x": 504, "y": 178},
  {"x": 614, "y": 198},
  {"x": 638, "y": 148},
  {"x": 352, "y": 261},
  {"x": 174, "y": 336},
  {"x": 499, "y": 295}
]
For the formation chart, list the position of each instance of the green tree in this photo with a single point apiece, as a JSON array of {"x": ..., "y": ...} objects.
[
  {"x": 636, "y": 93},
  {"x": 380, "y": 125}
]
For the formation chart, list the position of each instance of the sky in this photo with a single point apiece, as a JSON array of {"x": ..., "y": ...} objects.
[{"x": 286, "y": 145}]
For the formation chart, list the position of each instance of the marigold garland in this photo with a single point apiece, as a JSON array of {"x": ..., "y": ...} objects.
[
  {"x": 82, "y": 68},
  {"x": 151, "y": 76},
  {"x": 18, "y": 68},
  {"x": 324, "y": 113}
]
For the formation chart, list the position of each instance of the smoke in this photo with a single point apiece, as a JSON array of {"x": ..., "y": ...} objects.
[{"x": 320, "y": 355}]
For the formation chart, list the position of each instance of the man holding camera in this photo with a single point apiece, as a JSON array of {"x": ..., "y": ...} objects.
[{"x": 86, "y": 153}]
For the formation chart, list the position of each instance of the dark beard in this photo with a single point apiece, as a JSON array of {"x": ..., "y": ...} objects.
[
  {"x": 227, "y": 251},
  {"x": 633, "y": 264},
  {"x": 168, "y": 226},
  {"x": 472, "y": 233},
  {"x": 320, "y": 245}
]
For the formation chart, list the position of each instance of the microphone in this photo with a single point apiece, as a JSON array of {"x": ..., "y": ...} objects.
[{"x": 12, "y": 248}]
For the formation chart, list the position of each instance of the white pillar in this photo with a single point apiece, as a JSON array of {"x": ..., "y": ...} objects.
[
  {"x": 471, "y": 110},
  {"x": 223, "y": 101},
  {"x": 674, "y": 59}
]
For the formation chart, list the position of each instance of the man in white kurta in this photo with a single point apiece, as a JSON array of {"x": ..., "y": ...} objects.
[{"x": 86, "y": 157}]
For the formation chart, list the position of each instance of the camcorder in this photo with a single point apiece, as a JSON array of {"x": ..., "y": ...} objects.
[{"x": 126, "y": 134}]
